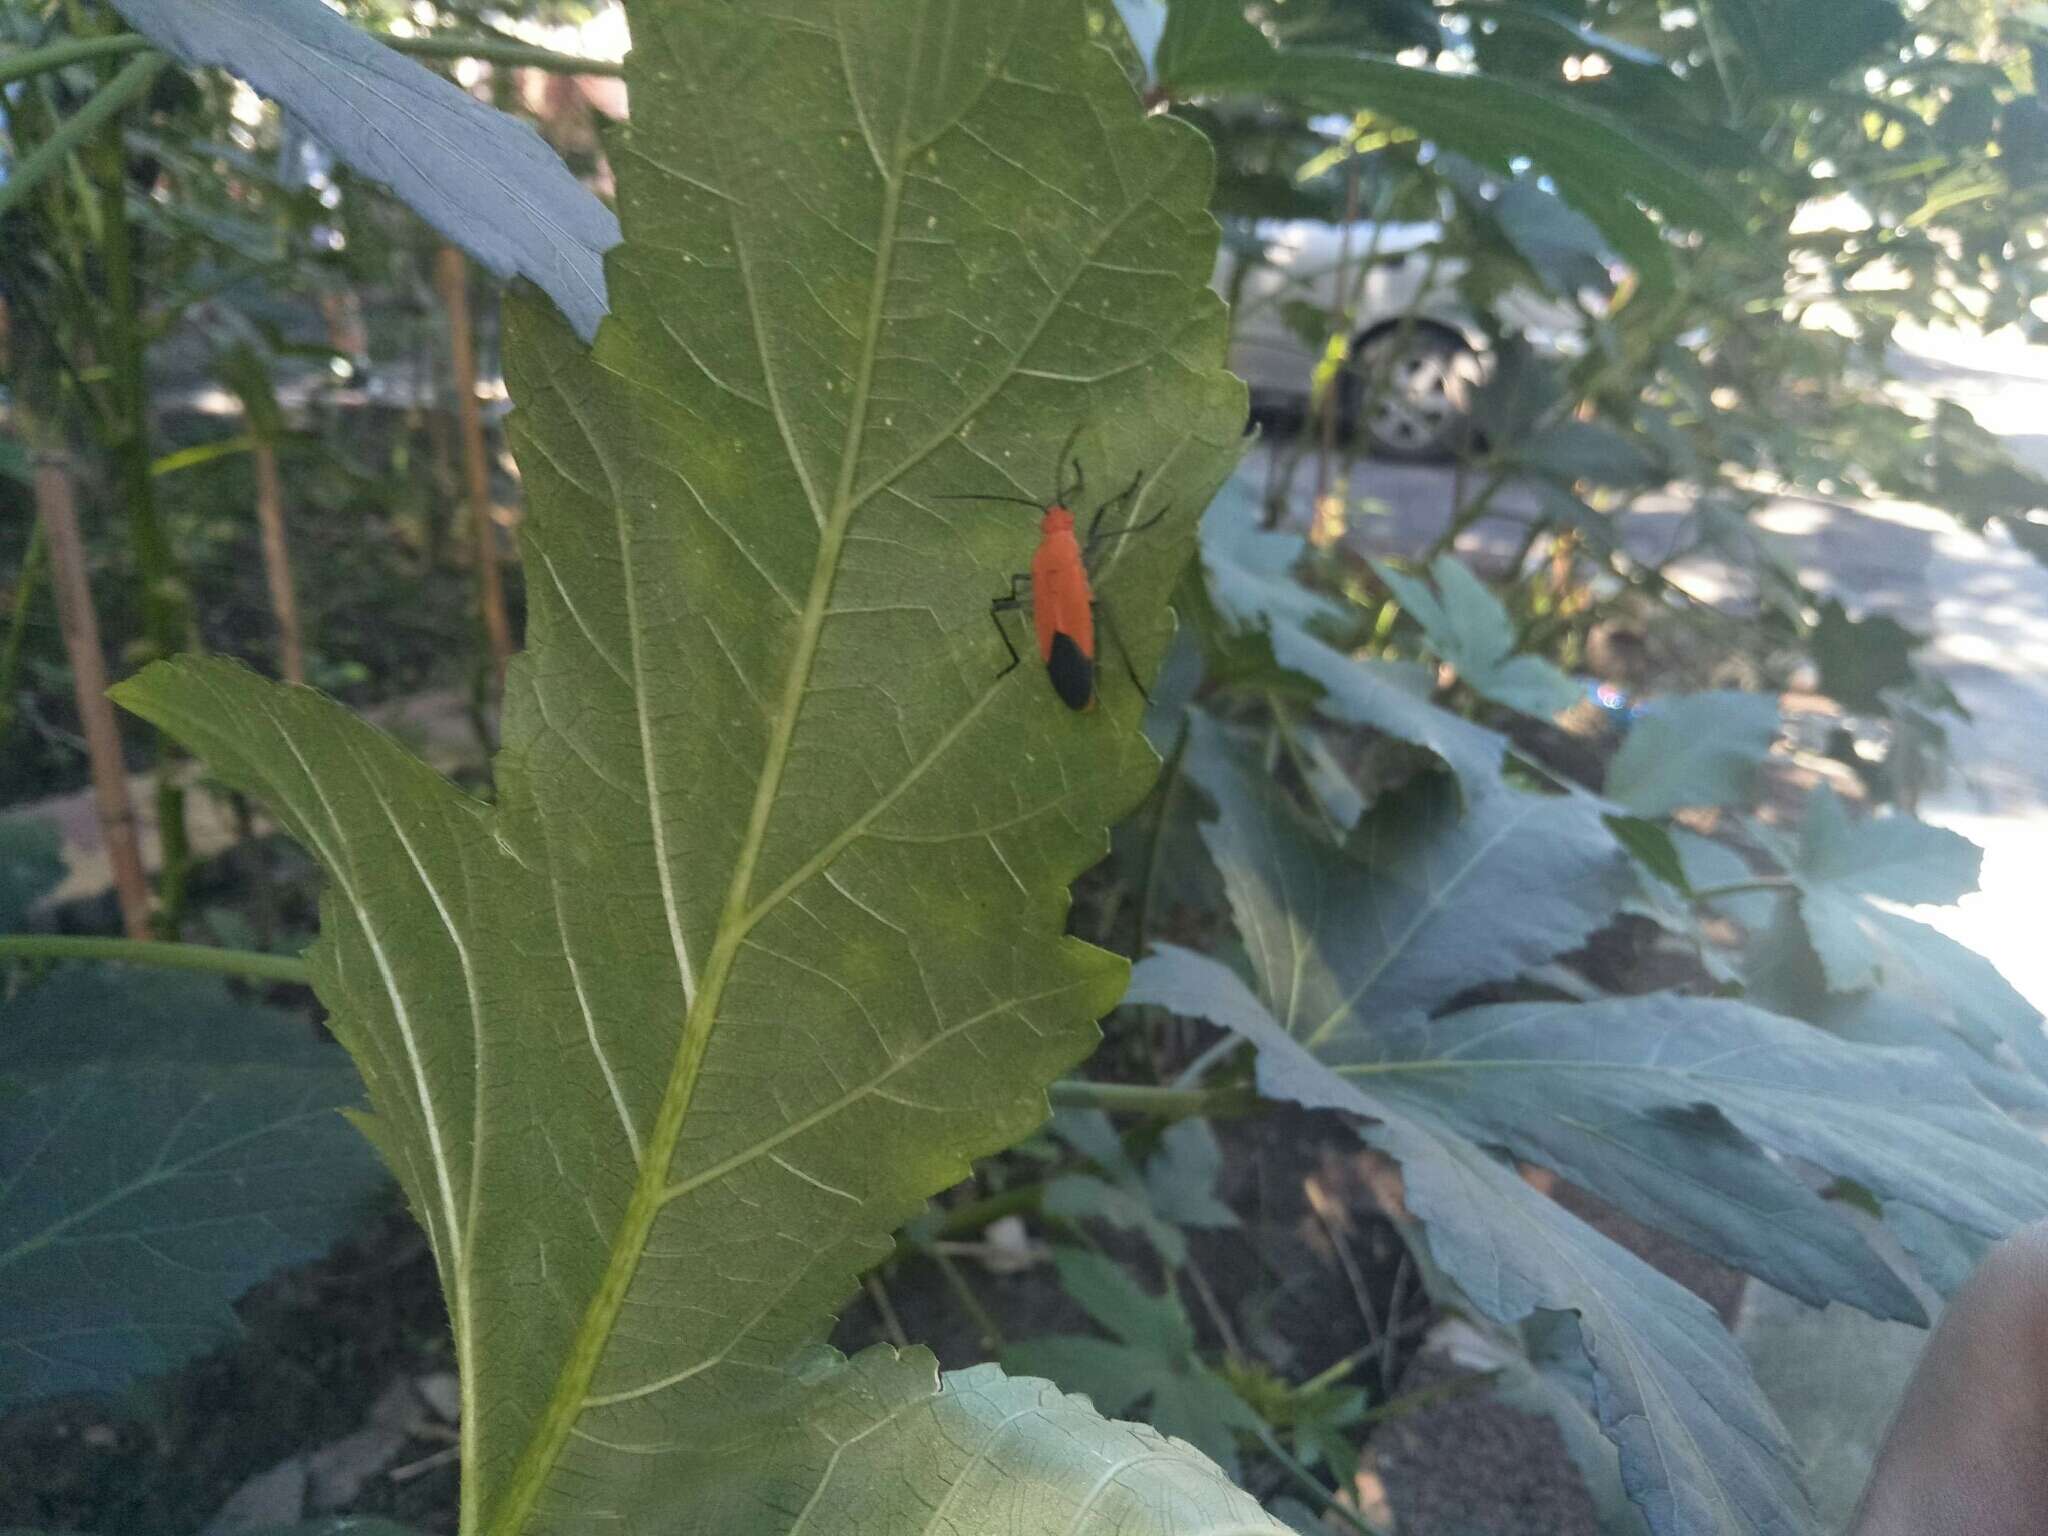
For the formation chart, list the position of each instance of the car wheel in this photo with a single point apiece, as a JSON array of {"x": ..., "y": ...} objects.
[{"x": 1408, "y": 395}]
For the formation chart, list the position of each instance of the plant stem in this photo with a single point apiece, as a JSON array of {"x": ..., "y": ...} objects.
[
  {"x": 990, "y": 1330},
  {"x": 1143, "y": 1099},
  {"x": 1214, "y": 1052},
  {"x": 1313, "y": 1484},
  {"x": 1148, "y": 891},
  {"x": 104, "y": 108},
  {"x": 452, "y": 273},
  {"x": 57, "y": 510},
  {"x": 245, "y": 963},
  {"x": 25, "y": 583},
  {"x": 166, "y": 613},
  {"x": 277, "y": 564},
  {"x": 1744, "y": 887}
]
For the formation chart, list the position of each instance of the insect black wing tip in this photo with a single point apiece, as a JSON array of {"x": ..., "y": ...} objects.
[{"x": 1071, "y": 672}]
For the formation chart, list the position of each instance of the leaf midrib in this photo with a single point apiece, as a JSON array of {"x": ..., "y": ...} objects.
[{"x": 566, "y": 1403}]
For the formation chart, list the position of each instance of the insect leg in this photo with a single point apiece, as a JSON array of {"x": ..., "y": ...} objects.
[
  {"x": 1064, "y": 496},
  {"x": 1124, "y": 533},
  {"x": 1122, "y": 498},
  {"x": 1013, "y": 602},
  {"x": 1108, "y": 618}
]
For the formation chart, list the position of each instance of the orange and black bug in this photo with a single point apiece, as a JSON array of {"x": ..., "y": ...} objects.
[{"x": 1062, "y": 598}]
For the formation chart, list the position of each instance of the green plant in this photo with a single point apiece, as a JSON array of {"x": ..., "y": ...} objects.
[
  {"x": 762, "y": 937},
  {"x": 1365, "y": 918},
  {"x": 776, "y": 870}
]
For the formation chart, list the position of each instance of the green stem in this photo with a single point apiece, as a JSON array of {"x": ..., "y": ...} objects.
[
  {"x": 1744, "y": 887},
  {"x": 1312, "y": 1484},
  {"x": 245, "y": 963},
  {"x": 104, "y": 108},
  {"x": 17, "y": 624},
  {"x": 990, "y": 1330},
  {"x": 976, "y": 1214},
  {"x": 77, "y": 50},
  {"x": 165, "y": 604},
  {"x": 1148, "y": 891}
]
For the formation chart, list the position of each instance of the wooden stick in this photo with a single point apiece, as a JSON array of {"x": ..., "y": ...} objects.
[
  {"x": 277, "y": 563},
  {"x": 452, "y": 275},
  {"x": 58, "y": 510}
]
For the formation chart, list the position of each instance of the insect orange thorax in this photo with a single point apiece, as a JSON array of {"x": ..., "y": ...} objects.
[{"x": 1057, "y": 520}]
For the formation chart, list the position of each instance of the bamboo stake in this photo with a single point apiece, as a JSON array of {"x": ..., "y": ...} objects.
[
  {"x": 452, "y": 276},
  {"x": 58, "y": 511},
  {"x": 277, "y": 563}
]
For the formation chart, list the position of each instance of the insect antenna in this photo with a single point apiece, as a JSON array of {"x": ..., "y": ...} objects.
[{"x": 1022, "y": 501}]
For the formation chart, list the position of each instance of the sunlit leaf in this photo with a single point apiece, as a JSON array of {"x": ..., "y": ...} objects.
[
  {"x": 1697, "y": 749},
  {"x": 482, "y": 178},
  {"x": 763, "y": 936}
]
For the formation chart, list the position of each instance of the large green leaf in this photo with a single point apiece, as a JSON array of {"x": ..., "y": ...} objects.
[
  {"x": 763, "y": 937},
  {"x": 164, "y": 1147}
]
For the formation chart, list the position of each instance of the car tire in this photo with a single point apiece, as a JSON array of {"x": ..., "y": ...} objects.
[{"x": 1422, "y": 411}]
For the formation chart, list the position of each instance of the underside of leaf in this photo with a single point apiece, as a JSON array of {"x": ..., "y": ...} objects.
[{"x": 763, "y": 937}]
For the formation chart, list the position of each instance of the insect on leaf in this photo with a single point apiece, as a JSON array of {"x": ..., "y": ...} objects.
[{"x": 763, "y": 937}]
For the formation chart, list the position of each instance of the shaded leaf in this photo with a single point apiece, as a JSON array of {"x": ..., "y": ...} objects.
[
  {"x": 1181, "y": 1176},
  {"x": 1467, "y": 627},
  {"x": 1696, "y": 749},
  {"x": 1393, "y": 698},
  {"x": 165, "y": 1148},
  {"x": 1599, "y": 165},
  {"x": 1556, "y": 1380},
  {"x": 1175, "y": 1188},
  {"x": 1894, "y": 858},
  {"x": 1649, "y": 844},
  {"x": 1860, "y": 658},
  {"x": 1700, "y": 1450},
  {"x": 878, "y": 1450},
  {"x": 482, "y": 178},
  {"x": 1558, "y": 242},
  {"x": 1251, "y": 569},
  {"x": 763, "y": 937},
  {"x": 1425, "y": 904},
  {"x": 1153, "y": 1364},
  {"x": 1896, "y": 1019},
  {"x": 1571, "y": 451}
]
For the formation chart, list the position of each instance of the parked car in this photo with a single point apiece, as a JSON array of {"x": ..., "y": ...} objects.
[{"x": 1418, "y": 354}]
